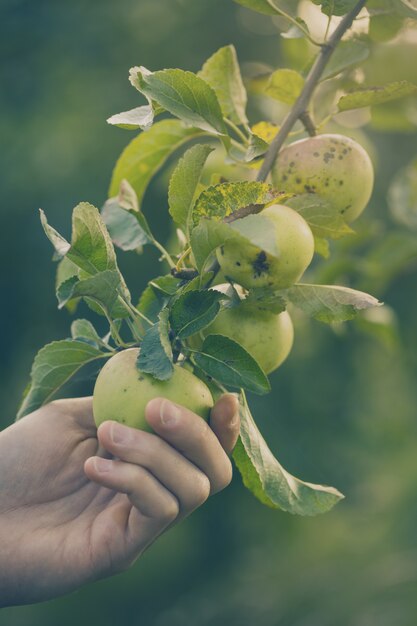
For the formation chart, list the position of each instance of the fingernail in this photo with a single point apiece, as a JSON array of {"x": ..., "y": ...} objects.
[
  {"x": 102, "y": 465},
  {"x": 169, "y": 413},
  {"x": 235, "y": 419},
  {"x": 120, "y": 434}
]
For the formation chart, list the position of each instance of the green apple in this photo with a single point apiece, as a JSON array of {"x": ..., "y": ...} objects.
[
  {"x": 335, "y": 167},
  {"x": 251, "y": 266},
  {"x": 267, "y": 337},
  {"x": 122, "y": 392}
]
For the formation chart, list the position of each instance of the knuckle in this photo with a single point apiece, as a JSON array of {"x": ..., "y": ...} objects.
[
  {"x": 227, "y": 475},
  {"x": 169, "y": 510},
  {"x": 202, "y": 490}
]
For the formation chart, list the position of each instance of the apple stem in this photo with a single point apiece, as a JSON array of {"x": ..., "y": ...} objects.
[{"x": 312, "y": 80}]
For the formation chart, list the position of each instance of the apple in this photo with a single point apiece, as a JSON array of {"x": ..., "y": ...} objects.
[
  {"x": 268, "y": 337},
  {"x": 335, "y": 167},
  {"x": 122, "y": 392},
  {"x": 251, "y": 266}
]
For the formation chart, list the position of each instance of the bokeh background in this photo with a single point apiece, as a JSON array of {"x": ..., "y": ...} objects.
[{"x": 343, "y": 409}]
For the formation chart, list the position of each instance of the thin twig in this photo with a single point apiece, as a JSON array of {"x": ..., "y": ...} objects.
[
  {"x": 302, "y": 103},
  {"x": 307, "y": 121}
]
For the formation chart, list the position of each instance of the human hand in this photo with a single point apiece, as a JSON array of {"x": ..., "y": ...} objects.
[{"x": 78, "y": 504}]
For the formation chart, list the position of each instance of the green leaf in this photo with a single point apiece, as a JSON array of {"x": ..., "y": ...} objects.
[
  {"x": 371, "y": 96},
  {"x": 102, "y": 288},
  {"x": 329, "y": 303},
  {"x": 221, "y": 71},
  {"x": 336, "y": 7},
  {"x": 60, "y": 244},
  {"x": 219, "y": 201},
  {"x": 155, "y": 355},
  {"x": 125, "y": 231},
  {"x": 184, "y": 184},
  {"x": 91, "y": 247},
  {"x": 226, "y": 361},
  {"x": 285, "y": 85},
  {"x": 348, "y": 54},
  {"x": 193, "y": 311},
  {"x": 54, "y": 364},
  {"x": 406, "y": 8},
  {"x": 263, "y": 475},
  {"x": 140, "y": 117},
  {"x": 382, "y": 28},
  {"x": 186, "y": 96},
  {"x": 83, "y": 330},
  {"x": 157, "y": 295},
  {"x": 402, "y": 196},
  {"x": 260, "y": 6},
  {"x": 264, "y": 299},
  {"x": 320, "y": 216},
  {"x": 256, "y": 148},
  {"x": 147, "y": 153}
]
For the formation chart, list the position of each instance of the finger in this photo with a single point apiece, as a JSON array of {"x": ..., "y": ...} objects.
[
  {"x": 192, "y": 436},
  {"x": 182, "y": 478},
  {"x": 225, "y": 420},
  {"x": 144, "y": 491}
]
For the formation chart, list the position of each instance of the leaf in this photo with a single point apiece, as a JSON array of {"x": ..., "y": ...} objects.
[
  {"x": 157, "y": 295},
  {"x": 54, "y": 364},
  {"x": 382, "y": 28},
  {"x": 59, "y": 243},
  {"x": 329, "y": 303},
  {"x": 91, "y": 249},
  {"x": 265, "y": 130},
  {"x": 371, "y": 96},
  {"x": 184, "y": 183},
  {"x": 336, "y": 7},
  {"x": 406, "y": 8},
  {"x": 155, "y": 355},
  {"x": 261, "y": 6},
  {"x": 193, "y": 311},
  {"x": 140, "y": 117},
  {"x": 265, "y": 299},
  {"x": 83, "y": 330},
  {"x": 147, "y": 153},
  {"x": 320, "y": 216},
  {"x": 186, "y": 96},
  {"x": 125, "y": 231},
  {"x": 209, "y": 235},
  {"x": 402, "y": 196},
  {"x": 219, "y": 201},
  {"x": 226, "y": 361},
  {"x": 256, "y": 148},
  {"x": 221, "y": 71},
  {"x": 263, "y": 475},
  {"x": 285, "y": 85},
  {"x": 347, "y": 54},
  {"x": 322, "y": 247},
  {"x": 103, "y": 288}
]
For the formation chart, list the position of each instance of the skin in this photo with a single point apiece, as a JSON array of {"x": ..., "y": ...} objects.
[
  {"x": 122, "y": 392},
  {"x": 250, "y": 266},
  {"x": 266, "y": 336},
  {"x": 335, "y": 167},
  {"x": 78, "y": 504}
]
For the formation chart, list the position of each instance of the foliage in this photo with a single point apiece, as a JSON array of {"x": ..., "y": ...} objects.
[{"x": 210, "y": 107}]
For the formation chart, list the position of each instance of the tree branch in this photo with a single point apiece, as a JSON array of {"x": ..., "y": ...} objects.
[{"x": 301, "y": 105}]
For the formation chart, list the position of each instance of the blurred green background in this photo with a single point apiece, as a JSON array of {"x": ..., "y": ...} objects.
[{"x": 343, "y": 407}]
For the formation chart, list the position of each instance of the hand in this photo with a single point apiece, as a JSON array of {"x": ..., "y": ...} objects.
[{"x": 71, "y": 513}]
